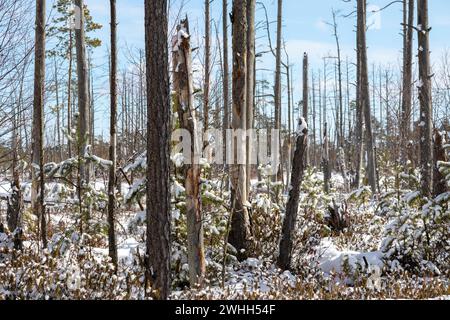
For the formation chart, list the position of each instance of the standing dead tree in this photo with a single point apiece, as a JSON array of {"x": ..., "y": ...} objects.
[
  {"x": 364, "y": 95},
  {"x": 326, "y": 160},
  {"x": 207, "y": 71},
  {"x": 408, "y": 21},
  {"x": 306, "y": 98},
  {"x": 185, "y": 107},
  {"x": 298, "y": 167}
]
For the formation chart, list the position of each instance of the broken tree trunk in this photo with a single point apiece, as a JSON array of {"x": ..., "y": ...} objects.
[
  {"x": 185, "y": 106},
  {"x": 298, "y": 167}
]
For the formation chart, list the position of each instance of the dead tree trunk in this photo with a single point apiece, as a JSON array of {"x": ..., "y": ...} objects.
[
  {"x": 239, "y": 236},
  {"x": 306, "y": 99},
  {"x": 365, "y": 96},
  {"x": 207, "y": 66},
  {"x": 426, "y": 108},
  {"x": 251, "y": 4},
  {"x": 113, "y": 139},
  {"x": 158, "y": 144},
  {"x": 69, "y": 94},
  {"x": 408, "y": 21},
  {"x": 185, "y": 106},
  {"x": 340, "y": 128},
  {"x": 277, "y": 87},
  {"x": 298, "y": 167},
  {"x": 326, "y": 161},
  {"x": 38, "y": 183},
  {"x": 58, "y": 116},
  {"x": 226, "y": 75},
  {"x": 83, "y": 108},
  {"x": 359, "y": 110}
]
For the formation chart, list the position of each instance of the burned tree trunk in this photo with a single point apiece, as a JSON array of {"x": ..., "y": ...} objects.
[
  {"x": 185, "y": 107},
  {"x": 298, "y": 167},
  {"x": 158, "y": 144},
  {"x": 240, "y": 232}
]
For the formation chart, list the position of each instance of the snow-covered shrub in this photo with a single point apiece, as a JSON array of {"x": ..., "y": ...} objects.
[
  {"x": 360, "y": 196},
  {"x": 266, "y": 225},
  {"x": 79, "y": 276},
  {"x": 417, "y": 236}
]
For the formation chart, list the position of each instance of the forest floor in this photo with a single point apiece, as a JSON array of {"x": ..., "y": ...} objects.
[{"x": 358, "y": 261}]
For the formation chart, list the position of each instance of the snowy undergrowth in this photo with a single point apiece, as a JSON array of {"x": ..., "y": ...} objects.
[{"x": 367, "y": 259}]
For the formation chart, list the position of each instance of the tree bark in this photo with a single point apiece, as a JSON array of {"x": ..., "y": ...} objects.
[
  {"x": 83, "y": 107},
  {"x": 38, "y": 183},
  {"x": 240, "y": 233},
  {"x": 426, "y": 108},
  {"x": 340, "y": 128},
  {"x": 408, "y": 21},
  {"x": 326, "y": 160},
  {"x": 69, "y": 95},
  {"x": 277, "y": 88},
  {"x": 298, "y": 167},
  {"x": 207, "y": 65},
  {"x": 185, "y": 106},
  {"x": 306, "y": 99},
  {"x": 251, "y": 4},
  {"x": 226, "y": 75},
  {"x": 365, "y": 96},
  {"x": 158, "y": 144},
  {"x": 113, "y": 139}
]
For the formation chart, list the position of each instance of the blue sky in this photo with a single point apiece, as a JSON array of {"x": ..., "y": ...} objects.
[
  {"x": 304, "y": 23},
  {"x": 304, "y": 29}
]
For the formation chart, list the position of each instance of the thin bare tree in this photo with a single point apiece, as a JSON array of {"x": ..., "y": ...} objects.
[
  {"x": 38, "y": 182},
  {"x": 113, "y": 138}
]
